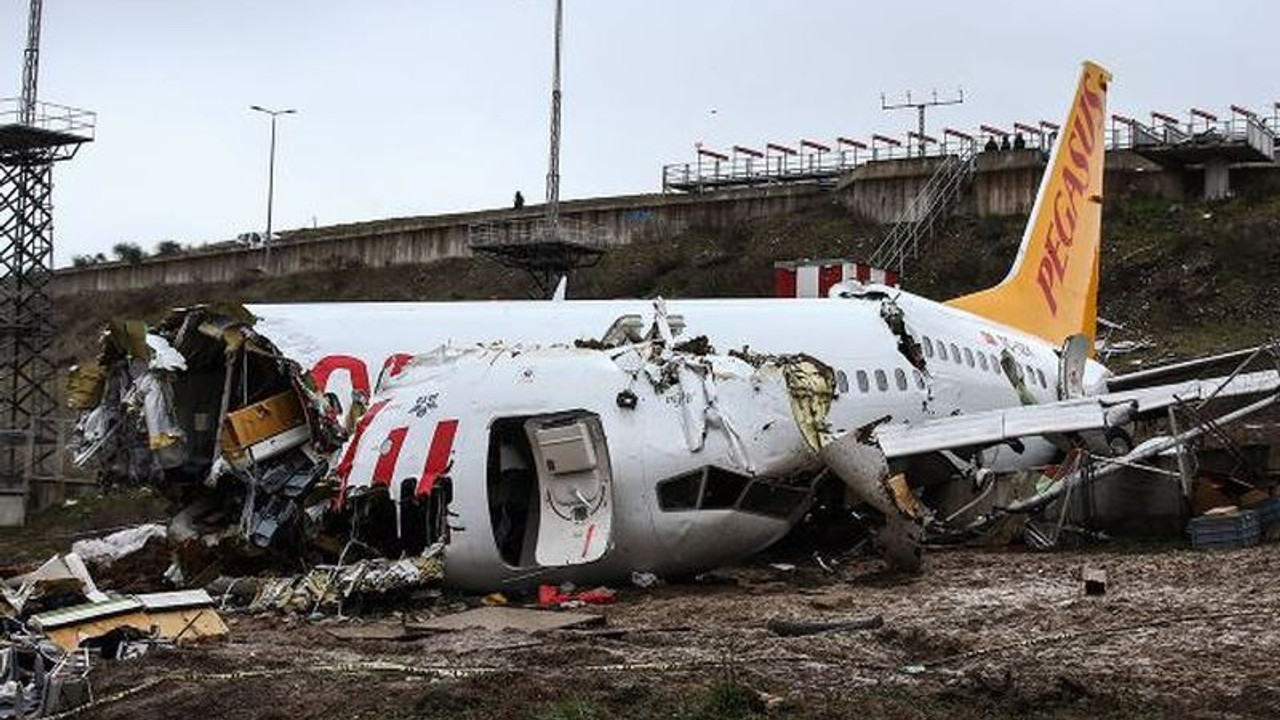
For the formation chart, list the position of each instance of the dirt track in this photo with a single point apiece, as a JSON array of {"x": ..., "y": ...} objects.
[{"x": 980, "y": 634}]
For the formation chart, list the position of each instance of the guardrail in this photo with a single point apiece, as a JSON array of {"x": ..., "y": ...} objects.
[
  {"x": 1256, "y": 133},
  {"x": 779, "y": 164},
  {"x": 740, "y": 169},
  {"x": 51, "y": 118}
]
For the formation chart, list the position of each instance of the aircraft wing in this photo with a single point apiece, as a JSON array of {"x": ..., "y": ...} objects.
[
  {"x": 1252, "y": 358},
  {"x": 1096, "y": 412}
]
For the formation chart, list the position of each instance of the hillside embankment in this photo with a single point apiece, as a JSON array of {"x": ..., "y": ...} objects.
[{"x": 1190, "y": 277}]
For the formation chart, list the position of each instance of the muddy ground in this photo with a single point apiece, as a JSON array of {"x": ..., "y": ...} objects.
[{"x": 1003, "y": 634}]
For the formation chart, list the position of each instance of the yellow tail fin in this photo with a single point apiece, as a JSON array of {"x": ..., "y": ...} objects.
[{"x": 1052, "y": 289}]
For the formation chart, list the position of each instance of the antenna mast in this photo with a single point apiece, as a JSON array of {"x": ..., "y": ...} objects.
[
  {"x": 31, "y": 63},
  {"x": 553, "y": 168},
  {"x": 920, "y": 108}
]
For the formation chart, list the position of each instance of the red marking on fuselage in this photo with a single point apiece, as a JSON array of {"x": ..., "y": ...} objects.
[
  {"x": 349, "y": 456},
  {"x": 354, "y": 366},
  {"x": 591, "y": 530},
  {"x": 396, "y": 363},
  {"x": 387, "y": 458},
  {"x": 438, "y": 455}
]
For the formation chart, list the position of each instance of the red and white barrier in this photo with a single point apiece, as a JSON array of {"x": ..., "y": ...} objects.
[{"x": 814, "y": 278}]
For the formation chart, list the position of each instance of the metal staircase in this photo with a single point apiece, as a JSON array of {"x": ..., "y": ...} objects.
[{"x": 927, "y": 211}]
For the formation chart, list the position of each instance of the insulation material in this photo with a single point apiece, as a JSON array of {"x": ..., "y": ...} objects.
[{"x": 106, "y": 550}]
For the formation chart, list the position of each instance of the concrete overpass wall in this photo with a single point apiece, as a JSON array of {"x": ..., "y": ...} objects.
[
  {"x": 1005, "y": 183},
  {"x": 411, "y": 241}
]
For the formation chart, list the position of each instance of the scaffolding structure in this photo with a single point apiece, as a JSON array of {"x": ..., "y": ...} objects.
[{"x": 33, "y": 137}]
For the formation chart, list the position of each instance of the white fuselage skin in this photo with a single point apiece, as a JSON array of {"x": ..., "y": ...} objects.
[{"x": 847, "y": 334}]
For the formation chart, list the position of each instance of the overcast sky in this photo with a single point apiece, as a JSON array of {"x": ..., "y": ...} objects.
[{"x": 411, "y": 107}]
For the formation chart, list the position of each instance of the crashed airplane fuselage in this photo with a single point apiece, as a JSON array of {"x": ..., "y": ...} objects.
[{"x": 682, "y": 460}]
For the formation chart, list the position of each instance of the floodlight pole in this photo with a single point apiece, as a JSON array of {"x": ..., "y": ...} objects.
[{"x": 271, "y": 174}]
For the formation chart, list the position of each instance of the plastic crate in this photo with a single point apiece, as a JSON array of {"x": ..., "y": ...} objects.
[
  {"x": 1268, "y": 513},
  {"x": 1225, "y": 532}
]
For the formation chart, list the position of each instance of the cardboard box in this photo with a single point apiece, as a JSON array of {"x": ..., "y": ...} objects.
[{"x": 259, "y": 421}]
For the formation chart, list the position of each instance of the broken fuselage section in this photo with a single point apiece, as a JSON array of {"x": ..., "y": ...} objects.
[
  {"x": 212, "y": 414},
  {"x": 589, "y": 464}
]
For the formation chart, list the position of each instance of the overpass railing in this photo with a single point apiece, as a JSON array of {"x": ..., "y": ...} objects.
[{"x": 706, "y": 173}]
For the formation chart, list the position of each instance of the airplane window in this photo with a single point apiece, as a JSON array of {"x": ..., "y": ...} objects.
[
  {"x": 955, "y": 353},
  {"x": 680, "y": 492},
  {"x": 995, "y": 365},
  {"x": 928, "y": 346},
  {"x": 882, "y": 381},
  {"x": 863, "y": 384},
  {"x": 770, "y": 498},
  {"x": 942, "y": 350},
  {"x": 722, "y": 489},
  {"x": 919, "y": 378},
  {"x": 1031, "y": 375},
  {"x": 1043, "y": 384},
  {"x": 968, "y": 357},
  {"x": 900, "y": 378},
  {"x": 982, "y": 361},
  {"x": 842, "y": 382}
]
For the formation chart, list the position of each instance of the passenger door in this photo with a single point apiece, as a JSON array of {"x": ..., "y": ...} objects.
[{"x": 575, "y": 488}]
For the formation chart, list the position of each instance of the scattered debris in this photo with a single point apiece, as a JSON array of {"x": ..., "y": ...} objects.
[
  {"x": 506, "y": 618},
  {"x": 60, "y": 581},
  {"x": 330, "y": 588},
  {"x": 644, "y": 580},
  {"x": 177, "y": 617},
  {"x": 1094, "y": 579},
  {"x": 797, "y": 628},
  {"x": 565, "y": 597},
  {"x": 106, "y": 550}
]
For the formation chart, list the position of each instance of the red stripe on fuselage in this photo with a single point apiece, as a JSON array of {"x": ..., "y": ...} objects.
[
  {"x": 386, "y": 467},
  {"x": 438, "y": 455}
]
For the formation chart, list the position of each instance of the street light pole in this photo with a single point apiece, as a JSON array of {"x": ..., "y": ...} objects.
[{"x": 271, "y": 174}]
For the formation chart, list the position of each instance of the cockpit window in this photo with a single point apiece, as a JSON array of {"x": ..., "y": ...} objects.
[
  {"x": 713, "y": 488},
  {"x": 680, "y": 492},
  {"x": 722, "y": 489},
  {"x": 773, "y": 499}
]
